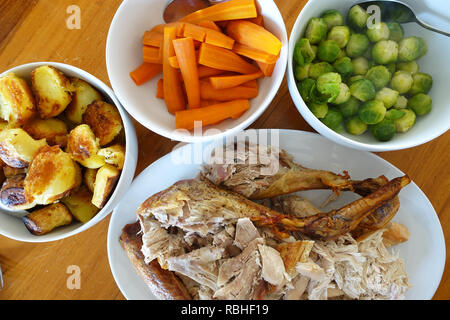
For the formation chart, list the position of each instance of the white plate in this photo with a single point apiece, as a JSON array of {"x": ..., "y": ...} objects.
[{"x": 424, "y": 252}]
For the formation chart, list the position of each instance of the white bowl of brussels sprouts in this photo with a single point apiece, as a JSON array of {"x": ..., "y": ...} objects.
[{"x": 368, "y": 84}]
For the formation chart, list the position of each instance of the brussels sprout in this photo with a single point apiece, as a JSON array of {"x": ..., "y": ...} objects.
[
  {"x": 384, "y": 130},
  {"x": 368, "y": 53},
  {"x": 333, "y": 18},
  {"x": 314, "y": 49},
  {"x": 379, "y": 75},
  {"x": 422, "y": 83},
  {"x": 396, "y": 32},
  {"x": 394, "y": 114},
  {"x": 411, "y": 67},
  {"x": 385, "y": 52},
  {"x": 344, "y": 94},
  {"x": 411, "y": 48},
  {"x": 328, "y": 51},
  {"x": 339, "y": 128},
  {"x": 357, "y": 45},
  {"x": 353, "y": 79},
  {"x": 339, "y": 34},
  {"x": 363, "y": 90},
  {"x": 316, "y": 30},
  {"x": 344, "y": 66},
  {"x": 401, "y": 102},
  {"x": 388, "y": 96},
  {"x": 402, "y": 81},
  {"x": 355, "y": 126},
  {"x": 319, "y": 68},
  {"x": 378, "y": 31},
  {"x": 372, "y": 112},
  {"x": 333, "y": 118},
  {"x": 305, "y": 87},
  {"x": 328, "y": 84},
  {"x": 301, "y": 72},
  {"x": 357, "y": 17},
  {"x": 350, "y": 107},
  {"x": 318, "y": 109},
  {"x": 391, "y": 67},
  {"x": 360, "y": 66},
  {"x": 303, "y": 53},
  {"x": 406, "y": 122},
  {"x": 421, "y": 104}
]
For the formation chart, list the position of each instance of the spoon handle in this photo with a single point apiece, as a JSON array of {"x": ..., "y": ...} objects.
[{"x": 427, "y": 26}]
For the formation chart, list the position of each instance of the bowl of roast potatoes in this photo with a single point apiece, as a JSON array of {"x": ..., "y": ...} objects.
[{"x": 68, "y": 151}]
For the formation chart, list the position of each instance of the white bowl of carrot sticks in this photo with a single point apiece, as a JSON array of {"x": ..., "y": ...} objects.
[{"x": 210, "y": 74}]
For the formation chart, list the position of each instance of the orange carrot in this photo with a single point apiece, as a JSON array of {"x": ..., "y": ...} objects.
[
  {"x": 259, "y": 20},
  {"x": 229, "y": 10},
  {"x": 222, "y": 24},
  {"x": 211, "y": 114},
  {"x": 174, "y": 61},
  {"x": 254, "y": 54},
  {"x": 266, "y": 68},
  {"x": 204, "y": 71},
  {"x": 233, "y": 81},
  {"x": 205, "y": 103},
  {"x": 160, "y": 89},
  {"x": 254, "y": 36},
  {"x": 208, "y": 35},
  {"x": 173, "y": 91},
  {"x": 145, "y": 72},
  {"x": 208, "y": 92},
  {"x": 251, "y": 84},
  {"x": 153, "y": 38},
  {"x": 187, "y": 60},
  {"x": 178, "y": 25},
  {"x": 223, "y": 59},
  {"x": 210, "y": 25},
  {"x": 152, "y": 54}
]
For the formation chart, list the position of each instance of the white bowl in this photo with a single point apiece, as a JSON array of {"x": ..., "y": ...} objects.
[
  {"x": 13, "y": 227},
  {"x": 435, "y": 63},
  {"x": 123, "y": 54}
]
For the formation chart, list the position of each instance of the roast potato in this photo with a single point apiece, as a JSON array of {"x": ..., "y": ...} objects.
[
  {"x": 44, "y": 220},
  {"x": 52, "y": 90},
  {"x": 83, "y": 146},
  {"x": 53, "y": 130},
  {"x": 17, "y": 147},
  {"x": 16, "y": 100},
  {"x": 3, "y": 125},
  {"x": 83, "y": 95},
  {"x": 51, "y": 176},
  {"x": 105, "y": 181},
  {"x": 105, "y": 121},
  {"x": 114, "y": 155},
  {"x": 79, "y": 204},
  {"x": 11, "y": 172},
  {"x": 89, "y": 178},
  {"x": 12, "y": 194}
]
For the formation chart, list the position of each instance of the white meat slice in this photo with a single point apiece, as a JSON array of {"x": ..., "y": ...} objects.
[
  {"x": 272, "y": 265},
  {"x": 246, "y": 232}
]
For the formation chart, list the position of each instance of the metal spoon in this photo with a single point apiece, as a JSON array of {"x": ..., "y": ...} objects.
[
  {"x": 178, "y": 9},
  {"x": 400, "y": 12}
]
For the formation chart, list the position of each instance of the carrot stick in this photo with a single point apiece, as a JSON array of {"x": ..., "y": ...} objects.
[
  {"x": 208, "y": 92},
  {"x": 178, "y": 25},
  {"x": 185, "y": 53},
  {"x": 254, "y": 54},
  {"x": 259, "y": 20},
  {"x": 225, "y": 82},
  {"x": 152, "y": 54},
  {"x": 254, "y": 36},
  {"x": 251, "y": 84},
  {"x": 210, "y": 25},
  {"x": 160, "y": 89},
  {"x": 229, "y": 10},
  {"x": 145, "y": 72},
  {"x": 204, "y": 71},
  {"x": 208, "y": 35},
  {"x": 266, "y": 68},
  {"x": 174, "y": 61},
  {"x": 153, "y": 38},
  {"x": 196, "y": 32},
  {"x": 173, "y": 91},
  {"x": 211, "y": 114},
  {"x": 223, "y": 59}
]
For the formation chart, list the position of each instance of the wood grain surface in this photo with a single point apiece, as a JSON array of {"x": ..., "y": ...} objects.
[{"x": 35, "y": 30}]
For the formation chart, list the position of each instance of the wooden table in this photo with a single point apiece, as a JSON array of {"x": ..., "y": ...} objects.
[{"x": 35, "y": 30}]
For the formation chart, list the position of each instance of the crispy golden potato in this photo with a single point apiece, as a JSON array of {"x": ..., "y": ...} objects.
[
  {"x": 114, "y": 155},
  {"x": 16, "y": 100},
  {"x": 17, "y": 147},
  {"x": 44, "y": 220},
  {"x": 105, "y": 182},
  {"x": 12, "y": 194},
  {"x": 11, "y": 172},
  {"x": 51, "y": 176},
  {"x": 105, "y": 121},
  {"x": 53, "y": 130},
  {"x": 79, "y": 204},
  {"x": 89, "y": 178},
  {"x": 2, "y": 176},
  {"x": 84, "y": 94},
  {"x": 83, "y": 146},
  {"x": 52, "y": 91},
  {"x": 3, "y": 125}
]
